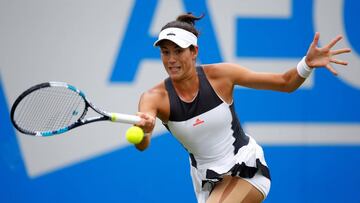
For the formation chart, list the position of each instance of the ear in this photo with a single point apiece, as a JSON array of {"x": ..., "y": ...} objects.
[{"x": 195, "y": 51}]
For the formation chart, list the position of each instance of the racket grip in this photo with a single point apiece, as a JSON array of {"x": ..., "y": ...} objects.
[{"x": 124, "y": 118}]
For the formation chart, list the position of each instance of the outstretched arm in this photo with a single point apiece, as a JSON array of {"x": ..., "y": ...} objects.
[
  {"x": 289, "y": 81},
  {"x": 147, "y": 112}
]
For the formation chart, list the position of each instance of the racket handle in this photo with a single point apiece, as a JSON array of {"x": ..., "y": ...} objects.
[{"x": 124, "y": 118}]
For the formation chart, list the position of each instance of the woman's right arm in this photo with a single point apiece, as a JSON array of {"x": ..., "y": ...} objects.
[{"x": 147, "y": 111}]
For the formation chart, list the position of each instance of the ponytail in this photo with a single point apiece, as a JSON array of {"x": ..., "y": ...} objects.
[
  {"x": 189, "y": 18},
  {"x": 186, "y": 22}
]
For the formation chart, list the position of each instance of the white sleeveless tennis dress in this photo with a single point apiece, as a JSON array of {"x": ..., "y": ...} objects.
[{"x": 210, "y": 131}]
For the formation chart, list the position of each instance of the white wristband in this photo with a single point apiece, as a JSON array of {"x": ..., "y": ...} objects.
[{"x": 303, "y": 69}]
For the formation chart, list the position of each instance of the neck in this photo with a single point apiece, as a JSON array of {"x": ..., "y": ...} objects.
[{"x": 188, "y": 87}]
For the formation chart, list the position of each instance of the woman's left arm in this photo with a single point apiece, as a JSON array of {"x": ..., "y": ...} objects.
[{"x": 289, "y": 81}]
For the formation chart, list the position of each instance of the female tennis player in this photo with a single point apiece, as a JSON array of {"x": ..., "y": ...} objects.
[{"x": 195, "y": 103}]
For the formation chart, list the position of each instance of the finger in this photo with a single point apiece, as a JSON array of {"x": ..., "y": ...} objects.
[
  {"x": 140, "y": 124},
  {"x": 316, "y": 39},
  {"x": 341, "y": 51},
  {"x": 145, "y": 116},
  {"x": 140, "y": 114},
  {"x": 331, "y": 69},
  {"x": 145, "y": 119},
  {"x": 150, "y": 118},
  {"x": 334, "y": 41},
  {"x": 153, "y": 120},
  {"x": 340, "y": 62}
]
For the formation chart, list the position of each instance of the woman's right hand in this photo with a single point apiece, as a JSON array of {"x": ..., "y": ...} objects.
[{"x": 147, "y": 123}]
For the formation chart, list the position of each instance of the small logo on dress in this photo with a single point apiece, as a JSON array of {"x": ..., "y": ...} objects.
[{"x": 198, "y": 122}]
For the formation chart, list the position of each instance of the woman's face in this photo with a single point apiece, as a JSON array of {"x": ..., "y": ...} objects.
[{"x": 177, "y": 61}]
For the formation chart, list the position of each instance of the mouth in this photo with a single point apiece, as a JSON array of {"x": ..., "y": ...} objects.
[{"x": 174, "y": 69}]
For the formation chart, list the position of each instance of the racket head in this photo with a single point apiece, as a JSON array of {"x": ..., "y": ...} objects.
[{"x": 49, "y": 108}]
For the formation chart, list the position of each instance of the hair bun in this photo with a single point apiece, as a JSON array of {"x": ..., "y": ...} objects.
[{"x": 189, "y": 18}]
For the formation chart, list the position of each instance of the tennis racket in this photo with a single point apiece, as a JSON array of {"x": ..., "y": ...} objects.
[{"x": 53, "y": 108}]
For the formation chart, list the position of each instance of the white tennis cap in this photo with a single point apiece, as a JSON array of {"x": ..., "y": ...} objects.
[{"x": 179, "y": 36}]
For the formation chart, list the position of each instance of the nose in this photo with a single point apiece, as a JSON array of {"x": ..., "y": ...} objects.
[{"x": 172, "y": 59}]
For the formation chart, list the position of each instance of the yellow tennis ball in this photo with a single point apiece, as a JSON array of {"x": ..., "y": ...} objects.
[{"x": 134, "y": 135}]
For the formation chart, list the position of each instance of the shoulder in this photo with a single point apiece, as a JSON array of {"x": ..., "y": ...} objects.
[
  {"x": 219, "y": 70},
  {"x": 155, "y": 93},
  {"x": 156, "y": 100},
  {"x": 226, "y": 72}
]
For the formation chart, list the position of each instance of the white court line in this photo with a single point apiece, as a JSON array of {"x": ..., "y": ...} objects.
[{"x": 304, "y": 134}]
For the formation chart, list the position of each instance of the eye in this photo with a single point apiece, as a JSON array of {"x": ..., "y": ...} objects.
[
  {"x": 165, "y": 52},
  {"x": 178, "y": 51}
]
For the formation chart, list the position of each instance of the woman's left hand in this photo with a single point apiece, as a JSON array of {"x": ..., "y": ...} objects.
[{"x": 322, "y": 56}]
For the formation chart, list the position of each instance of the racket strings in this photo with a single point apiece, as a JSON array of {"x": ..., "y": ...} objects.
[
  {"x": 49, "y": 109},
  {"x": 75, "y": 108}
]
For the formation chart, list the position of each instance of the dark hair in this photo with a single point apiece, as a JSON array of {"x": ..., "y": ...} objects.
[{"x": 186, "y": 22}]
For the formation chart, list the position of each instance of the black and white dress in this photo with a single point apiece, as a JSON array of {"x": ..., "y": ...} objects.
[{"x": 210, "y": 131}]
